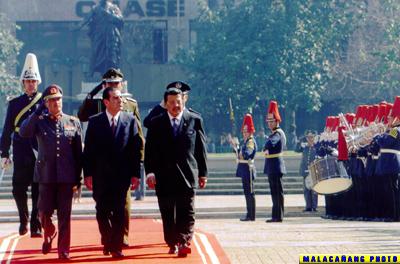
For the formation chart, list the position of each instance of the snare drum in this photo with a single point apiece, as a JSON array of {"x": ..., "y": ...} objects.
[{"x": 328, "y": 176}]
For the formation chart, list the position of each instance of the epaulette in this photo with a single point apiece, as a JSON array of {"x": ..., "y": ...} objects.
[
  {"x": 194, "y": 111},
  {"x": 250, "y": 143},
  {"x": 10, "y": 98},
  {"x": 131, "y": 99},
  {"x": 394, "y": 132}
]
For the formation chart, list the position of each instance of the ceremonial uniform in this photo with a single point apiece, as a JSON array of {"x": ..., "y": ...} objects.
[
  {"x": 388, "y": 168},
  {"x": 275, "y": 168},
  {"x": 246, "y": 168},
  {"x": 274, "y": 165},
  {"x": 23, "y": 154},
  {"x": 57, "y": 170},
  {"x": 23, "y": 157}
]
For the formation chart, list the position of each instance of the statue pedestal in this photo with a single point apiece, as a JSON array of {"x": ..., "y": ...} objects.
[{"x": 86, "y": 87}]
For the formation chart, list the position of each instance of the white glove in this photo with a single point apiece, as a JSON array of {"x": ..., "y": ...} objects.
[{"x": 5, "y": 163}]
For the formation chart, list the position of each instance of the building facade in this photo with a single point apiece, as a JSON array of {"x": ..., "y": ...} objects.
[{"x": 154, "y": 30}]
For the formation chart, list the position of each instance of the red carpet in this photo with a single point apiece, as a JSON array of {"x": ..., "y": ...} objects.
[{"x": 146, "y": 246}]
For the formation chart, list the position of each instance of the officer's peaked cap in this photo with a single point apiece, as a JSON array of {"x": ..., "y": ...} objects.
[
  {"x": 52, "y": 91},
  {"x": 179, "y": 85},
  {"x": 113, "y": 75}
]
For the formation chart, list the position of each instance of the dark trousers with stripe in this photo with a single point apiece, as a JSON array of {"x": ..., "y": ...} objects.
[
  {"x": 22, "y": 179},
  {"x": 275, "y": 185}
]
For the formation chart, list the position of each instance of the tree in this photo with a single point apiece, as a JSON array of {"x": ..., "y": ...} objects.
[
  {"x": 9, "y": 48},
  {"x": 260, "y": 50}
]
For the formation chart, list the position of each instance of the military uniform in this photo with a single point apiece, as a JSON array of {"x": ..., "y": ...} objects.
[
  {"x": 275, "y": 168},
  {"x": 58, "y": 168},
  {"x": 92, "y": 106},
  {"x": 23, "y": 156},
  {"x": 308, "y": 156},
  {"x": 387, "y": 169},
  {"x": 247, "y": 171}
]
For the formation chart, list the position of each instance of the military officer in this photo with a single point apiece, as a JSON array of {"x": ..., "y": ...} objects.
[
  {"x": 19, "y": 109},
  {"x": 246, "y": 168},
  {"x": 274, "y": 165},
  {"x": 161, "y": 108},
  {"x": 91, "y": 106},
  {"x": 58, "y": 166}
]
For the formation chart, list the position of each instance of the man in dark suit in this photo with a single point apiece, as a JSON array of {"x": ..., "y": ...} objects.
[
  {"x": 175, "y": 155},
  {"x": 92, "y": 106},
  {"x": 111, "y": 164},
  {"x": 58, "y": 166}
]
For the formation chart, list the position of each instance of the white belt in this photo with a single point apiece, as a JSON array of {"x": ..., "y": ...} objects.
[
  {"x": 392, "y": 151},
  {"x": 375, "y": 157},
  {"x": 250, "y": 162}
]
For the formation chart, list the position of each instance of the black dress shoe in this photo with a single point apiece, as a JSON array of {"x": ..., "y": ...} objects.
[
  {"x": 314, "y": 210},
  {"x": 46, "y": 246},
  {"x": 245, "y": 219},
  {"x": 307, "y": 210},
  {"x": 273, "y": 220},
  {"x": 23, "y": 229},
  {"x": 173, "y": 249},
  {"x": 117, "y": 254},
  {"x": 63, "y": 255},
  {"x": 35, "y": 234},
  {"x": 184, "y": 250},
  {"x": 106, "y": 251}
]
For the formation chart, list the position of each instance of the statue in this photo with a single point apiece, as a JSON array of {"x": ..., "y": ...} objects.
[{"x": 105, "y": 24}]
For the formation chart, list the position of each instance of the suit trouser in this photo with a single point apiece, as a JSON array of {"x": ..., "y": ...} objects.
[
  {"x": 275, "y": 185},
  {"x": 56, "y": 196},
  {"x": 110, "y": 215},
  {"x": 178, "y": 216},
  {"x": 127, "y": 216},
  {"x": 22, "y": 179}
]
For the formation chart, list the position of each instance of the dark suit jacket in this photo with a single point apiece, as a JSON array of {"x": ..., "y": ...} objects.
[
  {"x": 112, "y": 161},
  {"x": 179, "y": 159}
]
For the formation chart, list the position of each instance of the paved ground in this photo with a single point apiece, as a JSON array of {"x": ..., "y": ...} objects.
[{"x": 259, "y": 242}]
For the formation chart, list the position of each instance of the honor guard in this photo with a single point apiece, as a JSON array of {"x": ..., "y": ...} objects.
[
  {"x": 388, "y": 164},
  {"x": 274, "y": 165},
  {"x": 91, "y": 106},
  {"x": 58, "y": 166},
  {"x": 18, "y": 110},
  {"x": 161, "y": 108},
  {"x": 246, "y": 169}
]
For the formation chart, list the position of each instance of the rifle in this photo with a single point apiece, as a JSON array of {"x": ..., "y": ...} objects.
[{"x": 232, "y": 117}]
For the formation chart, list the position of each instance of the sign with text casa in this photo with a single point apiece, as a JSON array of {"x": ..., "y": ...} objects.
[{"x": 134, "y": 9}]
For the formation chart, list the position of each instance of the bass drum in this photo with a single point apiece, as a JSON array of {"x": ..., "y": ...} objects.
[{"x": 328, "y": 176}]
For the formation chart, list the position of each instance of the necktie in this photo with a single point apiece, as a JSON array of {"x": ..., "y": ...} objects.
[
  {"x": 113, "y": 126},
  {"x": 175, "y": 126}
]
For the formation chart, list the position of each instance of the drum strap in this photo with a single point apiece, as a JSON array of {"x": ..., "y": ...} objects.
[
  {"x": 271, "y": 156},
  {"x": 391, "y": 151}
]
